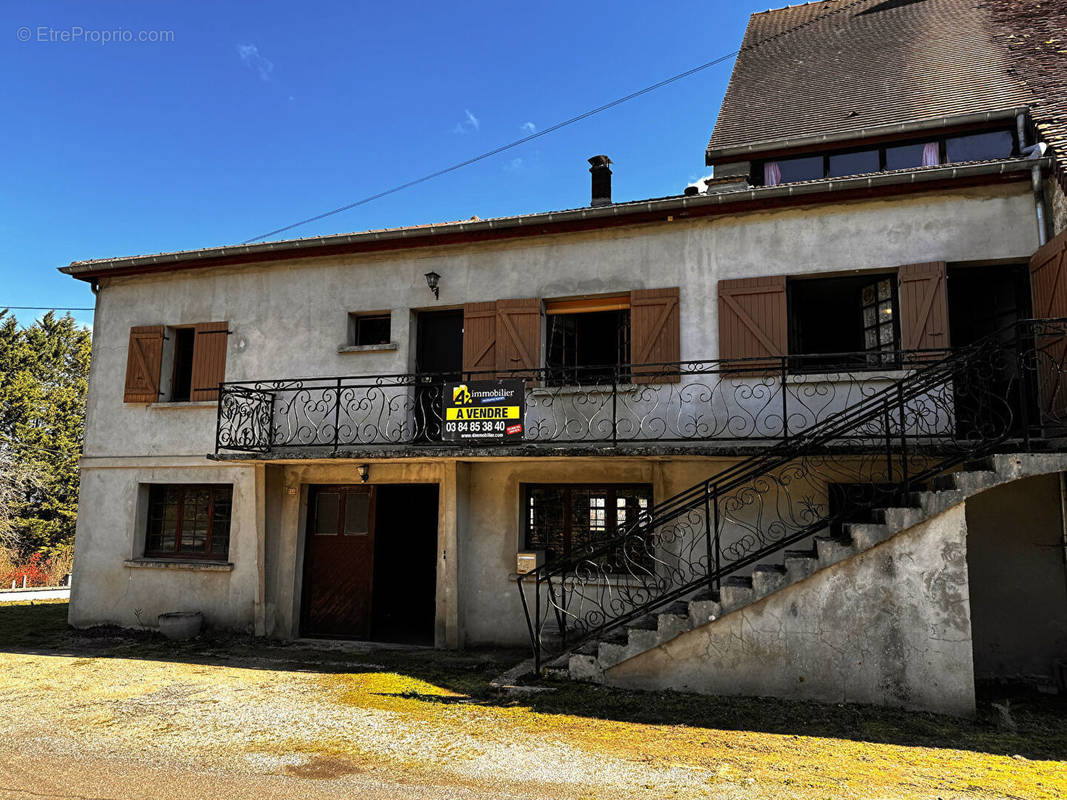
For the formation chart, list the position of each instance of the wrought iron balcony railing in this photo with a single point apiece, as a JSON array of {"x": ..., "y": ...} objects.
[{"x": 689, "y": 402}]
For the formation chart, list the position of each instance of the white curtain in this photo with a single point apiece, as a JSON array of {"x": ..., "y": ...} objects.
[
  {"x": 772, "y": 174},
  {"x": 931, "y": 155}
]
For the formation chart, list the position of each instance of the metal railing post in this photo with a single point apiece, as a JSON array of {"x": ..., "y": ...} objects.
[
  {"x": 337, "y": 415},
  {"x": 615, "y": 407},
  {"x": 707, "y": 534},
  {"x": 1021, "y": 352},
  {"x": 785, "y": 399},
  {"x": 903, "y": 439}
]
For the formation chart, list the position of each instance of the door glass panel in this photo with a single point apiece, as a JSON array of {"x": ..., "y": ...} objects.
[
  {"x": 326, "y": 512},
  {"x": 357, "y": 514}
]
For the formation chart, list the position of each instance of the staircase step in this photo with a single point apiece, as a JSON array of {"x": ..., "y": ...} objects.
[
  {"x": 933, "y": 503},
  {"x": 898, "y": 519},
  {"x": 704, "y": 608},
  {"x": 581, "y": 667},
  {"x": 768, "y": 578},
  {"x": 866, "y": 535},
  {"x": 736, "y": 591},
  {"x": 800, "y": 564},
  {"x": 645, "y": 623},
  {"x": 674, "y": 623},
  {"x": 832, "y": 550},
  {"x": 966, "y": 481}
]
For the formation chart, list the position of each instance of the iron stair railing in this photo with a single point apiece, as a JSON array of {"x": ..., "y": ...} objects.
[{"x": 946, "y": 410}]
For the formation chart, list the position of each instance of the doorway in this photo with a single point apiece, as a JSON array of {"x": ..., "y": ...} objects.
[
  {"x": 438, "y": 360},
  {"x": 370, "y": 563}
]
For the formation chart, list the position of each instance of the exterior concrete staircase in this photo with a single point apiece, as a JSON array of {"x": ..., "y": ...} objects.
[{"x": 590, "y": 661}]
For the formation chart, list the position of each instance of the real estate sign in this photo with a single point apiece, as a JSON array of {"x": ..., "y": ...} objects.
[{"x": 484, "y": 411}]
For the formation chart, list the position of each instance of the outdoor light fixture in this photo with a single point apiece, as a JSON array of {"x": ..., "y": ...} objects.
[
  {"x": 364, "y": 472},
  {"x": 432, "y": 280}
]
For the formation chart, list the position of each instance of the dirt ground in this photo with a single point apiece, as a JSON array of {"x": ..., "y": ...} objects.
[{"x": 110, "y": 714}]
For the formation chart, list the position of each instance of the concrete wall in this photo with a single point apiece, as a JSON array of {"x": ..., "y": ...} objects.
[
  {"x": 110, "y": 587},
  {"x": 1015, "y": 556},
  {"x": 890, "y": 626}
]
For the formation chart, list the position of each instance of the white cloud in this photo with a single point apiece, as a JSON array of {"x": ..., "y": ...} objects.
[
  {"x": 470, "y": 124},
  {"x": 514, "y": 165},
  {"x": 699, "y": 183},
  {"x": 528, "y": 128},
  {"x": 251, "y": 58}
]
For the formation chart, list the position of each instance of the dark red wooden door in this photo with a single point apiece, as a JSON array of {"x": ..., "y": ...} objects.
[{"x": 338, "y": 562}]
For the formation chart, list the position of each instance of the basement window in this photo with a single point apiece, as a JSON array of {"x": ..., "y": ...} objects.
[
  {"x": 847, "y": 323},
  {"x": 562, "y": 519},
  {"x": 189, "y": 520},
  {"x": 588, "y": 340}
]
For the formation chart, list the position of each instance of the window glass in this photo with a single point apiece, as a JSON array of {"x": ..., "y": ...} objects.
[
  {"x": 854, "y": 163},
  {"x": 800, "y": 169},
  {"x": 561, "y": 520},
  {"x": 979, "y": 146},
  {"x": 910, "y": 156},
  {"x": 357, "y": 513},
  {"x": 587, "y": 347},
  {"x": 327, "y": 512},
  {"x": 189, "y": 520},
  {"x": 371, "y": 329}
]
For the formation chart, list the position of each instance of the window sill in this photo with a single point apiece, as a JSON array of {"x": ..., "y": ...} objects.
[
  {"x": 194, "y": 565},
  {"x": 367, "y": 348},
  {"x": 185, "y": 404},
  {"x": 864, "y": 375},
  {"x": 556, "y": 391}
]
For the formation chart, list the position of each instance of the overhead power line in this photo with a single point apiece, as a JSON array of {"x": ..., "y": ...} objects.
[{"x": 558, "y": 125}]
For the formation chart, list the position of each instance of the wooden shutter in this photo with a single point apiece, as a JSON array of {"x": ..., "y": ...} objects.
[
  {"x": 479, "y": 339},
  {"x": 752, "y": 321},
  {"x": 655, "y": 337},
  {"x": 209, "y": 359},
  {"x": 1048, "y": 288},
  {"x": 923, "y": 297},
  {"x": 518, "y": 336},
  {"x": 143, "y": 361},
  {"x": 1048, "y": 279}
]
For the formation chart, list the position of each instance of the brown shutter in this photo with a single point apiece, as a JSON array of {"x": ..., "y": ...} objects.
[
  {"x": 923, "y": 295},
  {"x": 143, "y": 361},
  {"x": 479, "y": 339},
  {"x": 1048, "y": 287},
  {"x": 752, "y": 320},
  {"x": 1048, "y": 279},
  {"x": 655, "y": 337},
  {"x": 518, "y": 336},
  {"x": 209, "y": 359}
]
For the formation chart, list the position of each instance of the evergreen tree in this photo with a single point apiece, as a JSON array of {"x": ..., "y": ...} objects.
[{"x": 44, "y": 371}]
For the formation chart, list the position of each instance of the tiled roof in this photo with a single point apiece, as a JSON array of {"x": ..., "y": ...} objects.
[
  {"x": 839, "y": 65},
  {"x": 1034, "y": 33}
]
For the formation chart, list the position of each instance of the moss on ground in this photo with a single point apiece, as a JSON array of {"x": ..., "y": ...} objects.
[{"x": 787, "y": 749}]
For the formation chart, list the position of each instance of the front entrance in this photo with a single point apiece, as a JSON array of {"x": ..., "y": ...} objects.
[{"x": 370, "y": 563}]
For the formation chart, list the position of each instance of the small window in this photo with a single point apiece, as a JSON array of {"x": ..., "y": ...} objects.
[
  {"x": 980, "y": 146},
  {"x": 859, "y": 163},
  {"x": 846, "y": 323},
  {"x": 562, "y": 519},
  {"x": 587, "y": 346},
  {"x": 189, "y": 520},
  {"x": 341, "y": 511},
  {"x": 369, "y": 328},
  {"x": 182, "y": 381}
]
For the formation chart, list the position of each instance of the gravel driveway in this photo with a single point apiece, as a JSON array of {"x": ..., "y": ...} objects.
[{"x": 120, "y": 716}]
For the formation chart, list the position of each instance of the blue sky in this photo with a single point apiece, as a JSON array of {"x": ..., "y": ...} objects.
[{"x": 256, "y": 115}]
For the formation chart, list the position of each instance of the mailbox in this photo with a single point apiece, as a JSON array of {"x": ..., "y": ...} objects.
[{"x": 528, "y": 561}]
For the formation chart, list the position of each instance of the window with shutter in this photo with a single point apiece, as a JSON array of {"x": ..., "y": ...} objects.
[
  {"x": 655, "y": 335},
  {"x": 923, "y": 297},
  {"x": 479, "y": 339},
  {"x": 209, "y": 359},
  {"x": 518, "y": 338},
  {"x": 752, "y": 321},
  {"x": 143, "y": 362}
]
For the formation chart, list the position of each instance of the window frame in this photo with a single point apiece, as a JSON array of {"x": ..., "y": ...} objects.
[
  {"x": 581, "y": 374},
  {"x": 177, "y": 553},
  {"x": 941, "y": 139},
  {"x": 566, "y": 533},
  {"x": 355, "y": 318}
]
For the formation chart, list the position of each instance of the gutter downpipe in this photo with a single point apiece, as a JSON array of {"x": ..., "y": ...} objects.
[{"x": 1037, "y": 181}]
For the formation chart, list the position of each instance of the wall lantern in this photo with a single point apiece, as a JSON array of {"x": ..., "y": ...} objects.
[
  {"x": 364, "y": 472},
  {"x": 432, "y": 280}
]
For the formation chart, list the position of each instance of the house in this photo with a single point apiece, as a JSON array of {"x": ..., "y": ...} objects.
[{"x": 791, "y": 435}]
